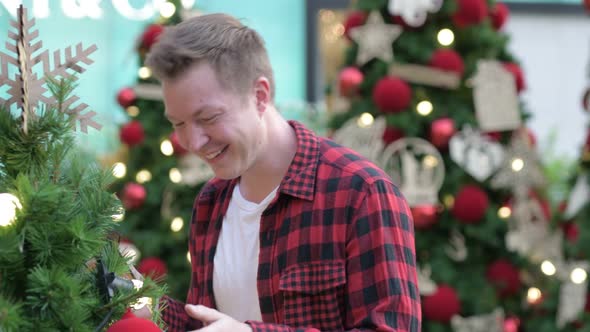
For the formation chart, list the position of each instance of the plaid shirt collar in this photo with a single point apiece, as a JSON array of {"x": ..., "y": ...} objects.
[{"x": 301, "y": 175}]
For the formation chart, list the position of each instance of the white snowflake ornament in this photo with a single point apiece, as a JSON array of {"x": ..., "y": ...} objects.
[{"x": 414, "y": 12}]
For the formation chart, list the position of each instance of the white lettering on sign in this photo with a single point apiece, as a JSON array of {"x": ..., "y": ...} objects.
[{"x": 92, "y": 9}]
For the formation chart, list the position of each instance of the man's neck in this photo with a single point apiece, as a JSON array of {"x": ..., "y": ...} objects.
[{"x": 280, "y": 145}]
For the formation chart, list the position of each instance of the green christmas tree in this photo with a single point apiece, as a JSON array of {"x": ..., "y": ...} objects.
[
  {"x": 161, "y": 180},
  {"x": 573, "y": 306},
  {"x": 430, "y": 93},
  {"x": 60, "y": 268}
]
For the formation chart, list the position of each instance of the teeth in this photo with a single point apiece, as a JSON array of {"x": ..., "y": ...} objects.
[{"x": 213, "y": 155}]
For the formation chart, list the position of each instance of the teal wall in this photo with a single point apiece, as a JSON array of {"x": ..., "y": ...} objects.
[{"x": 279, "y": 22}]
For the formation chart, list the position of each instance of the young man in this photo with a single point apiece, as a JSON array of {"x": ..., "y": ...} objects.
[{"x": 295, "y": 233}]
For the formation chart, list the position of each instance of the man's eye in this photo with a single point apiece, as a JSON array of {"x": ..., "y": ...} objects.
[
  {"x": 209, "y": 119},
  {"x": 175, "y": 125}
]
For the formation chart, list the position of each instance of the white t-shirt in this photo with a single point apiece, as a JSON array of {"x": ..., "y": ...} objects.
[{"x": 235, "y": 265}]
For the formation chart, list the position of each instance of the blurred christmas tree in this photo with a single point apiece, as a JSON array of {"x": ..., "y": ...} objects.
[
  {"x": 59, "y": 269},
  {"x": 159, "y": 181},
  {"x": 572, "y": 217},
  {"x": 429, "y": 92}
]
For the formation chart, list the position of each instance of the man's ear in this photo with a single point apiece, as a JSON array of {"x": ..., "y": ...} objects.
[{"x": 262, "y": 93}]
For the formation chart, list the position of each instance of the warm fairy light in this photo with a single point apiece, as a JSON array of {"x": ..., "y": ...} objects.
[
  {"x": 143, "y": 176},
  {"x": 430, "y": 161},
  {"x": 188, "y": 256},
  {"x": 548, "y": 268},
  {"x": 534, "y": 295},
  {"x": 167, "y": 9},
  {"x": 142, "y": 301},
  {"x": 365, "y": 120},
  {"x": 338, "y": 29},
  {"x": 449, "y": 201},
  {"x": 133, "y": 111},
  {"x": 187, "y": 4},
  {"x": 504, "y": 212},
  {"x": 8, "y": 205},
  {"x": 424, "y": 108},
  {"x": 517, "y": 164},
  {"x": 177, "y": 224},
  {"x": 144, "y": 73},
  {"x": 175, "y": 175},
  {"x": 119, "y": 215},
  {"x": 119, "y": 170},
  {"x": 445, "y": 37},
  {"x": 578, "y": 275},
  {"x": 167, "y": 148}
]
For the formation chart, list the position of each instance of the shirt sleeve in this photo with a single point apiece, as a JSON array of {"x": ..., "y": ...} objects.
[{"x": 382, "y": 289}]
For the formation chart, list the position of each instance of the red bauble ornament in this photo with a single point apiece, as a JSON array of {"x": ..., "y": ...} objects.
[
  {"x": 470, "y": 12},
  {"x": 424, "y": 216},
  {"x": 442, "y": 305},
  {"x": 571, "y": 231},
  {"x": 470, "y": 205},
  {"x": 494, "y": 135},
  {"x": 441, "y": 131},
  {"x": 505, "y": 277},
  {"x": 133, "y": 196},
  {"x": 178, "y": 149},
  {"x": 499, "y": 15},
  {"x": 349, "y": 80},
  {"x": 126, "y": 97},
  {"x": 392, "y": 95},
  {"x": 355, "y": 19},
  {"x": 515, "y": 70},
  {"x": 150, "y": 35},
  {"x": 511, "y": 324},
  {"x": 392, "y": 134},
  {"x": 447, "y": 59},
  {"x": 152, "y": 267},
  {"x": 134, "y": 325},
  {"x": 132, "y": 133}
]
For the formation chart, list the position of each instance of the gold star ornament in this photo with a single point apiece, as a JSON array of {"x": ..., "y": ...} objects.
[{"x": 375, "y": 39}]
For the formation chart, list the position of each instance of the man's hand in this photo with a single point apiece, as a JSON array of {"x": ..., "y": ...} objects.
[{"x": 215, "y": 321}]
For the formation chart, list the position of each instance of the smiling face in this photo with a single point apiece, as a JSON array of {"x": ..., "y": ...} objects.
[{"x": 220, "y": 126}]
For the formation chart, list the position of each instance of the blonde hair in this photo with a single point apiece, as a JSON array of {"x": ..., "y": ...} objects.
[{"x": 235, "y": 51}]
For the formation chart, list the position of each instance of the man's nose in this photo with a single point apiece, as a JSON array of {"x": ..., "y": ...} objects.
[{"x": 197, "y": 138}]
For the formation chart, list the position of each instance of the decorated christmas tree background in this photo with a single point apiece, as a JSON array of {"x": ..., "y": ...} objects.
[
  {"x": 158, "y": 180},
  {"x": 60, "y": 267},
  {"x": 430, "y": 92}
]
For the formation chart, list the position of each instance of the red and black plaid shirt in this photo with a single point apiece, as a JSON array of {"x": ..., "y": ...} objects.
[{"x": 336, "y": 247}]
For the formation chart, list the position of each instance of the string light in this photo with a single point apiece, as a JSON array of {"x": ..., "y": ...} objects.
[
  {"x": 133, "y": 111},
  {"x": 578, "y": 275},
  {"x": 504, "y": 212},
  {"x": 144, "y": 73},
  {"x": 119, "y": 215},
  {"x": 517, "y": 164},
  {"x": 449, "y": 201},
  {"x": 167, "y": 9},
  {"x": 175, "y": 175},
  {"x": 8, "y": 205},
  {"x": 119, "y": 170},
  {"x": 188, "y": 256},
  {"x": 424, "y": 108},
  {"x": 143, "y": 176},
  {"x": 534, "y": 295},
  {"x": 445, "y": 37},
  {"x": 167, "y": 148},
  {"x": 548, "y": 268},
  {"x": 430, "y": 161},
  {"x": 142, "y": 301},
  {"x": 365, "y": 120},
  {"x": 177, "y": 224}
]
